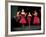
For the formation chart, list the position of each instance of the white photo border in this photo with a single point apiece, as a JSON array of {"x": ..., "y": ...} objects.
[{"x": 24, "y": 32}]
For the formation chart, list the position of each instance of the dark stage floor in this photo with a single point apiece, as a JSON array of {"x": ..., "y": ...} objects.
[{"x": 26, "y": 28}]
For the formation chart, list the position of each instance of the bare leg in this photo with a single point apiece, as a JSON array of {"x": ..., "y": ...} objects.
[
  {"x": 29, "y": 25},
  {"x": 23, "y": 26}
]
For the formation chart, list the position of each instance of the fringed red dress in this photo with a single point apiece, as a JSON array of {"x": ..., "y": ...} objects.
[
  {"x": 22, "y": 20},
  {"x": 36, "y": 20}
]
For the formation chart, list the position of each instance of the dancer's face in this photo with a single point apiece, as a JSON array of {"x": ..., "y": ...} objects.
[
  {"x": 36, "y": 13},
  {"x": 29, "y": 13},
  {"x": 22, "y": 10}
]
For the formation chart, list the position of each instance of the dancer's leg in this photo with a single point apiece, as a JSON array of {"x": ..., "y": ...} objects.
[
  {"x": 23, "y": 26},
  {"x": 29, "y": 25}
]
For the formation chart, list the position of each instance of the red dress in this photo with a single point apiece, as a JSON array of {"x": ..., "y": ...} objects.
[
  {"x": 29, "y": 19},
  {"x": 22, "y": 21},
  {"x": 36, "y": 20}
]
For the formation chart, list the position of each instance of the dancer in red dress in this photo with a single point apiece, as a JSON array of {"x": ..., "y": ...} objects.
[
  {"x": 23, "y": 21},
  {"x": 29, "y": 19},
  {"x": 18, "y": 16},
  {"x": 36, "y": 20}
]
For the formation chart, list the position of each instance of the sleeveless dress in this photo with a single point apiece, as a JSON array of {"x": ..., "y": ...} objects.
[
  {"x": 29, "y": 19},
  {"x": 36, "y": 20},
  {"x": 22, "y": 20}
]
